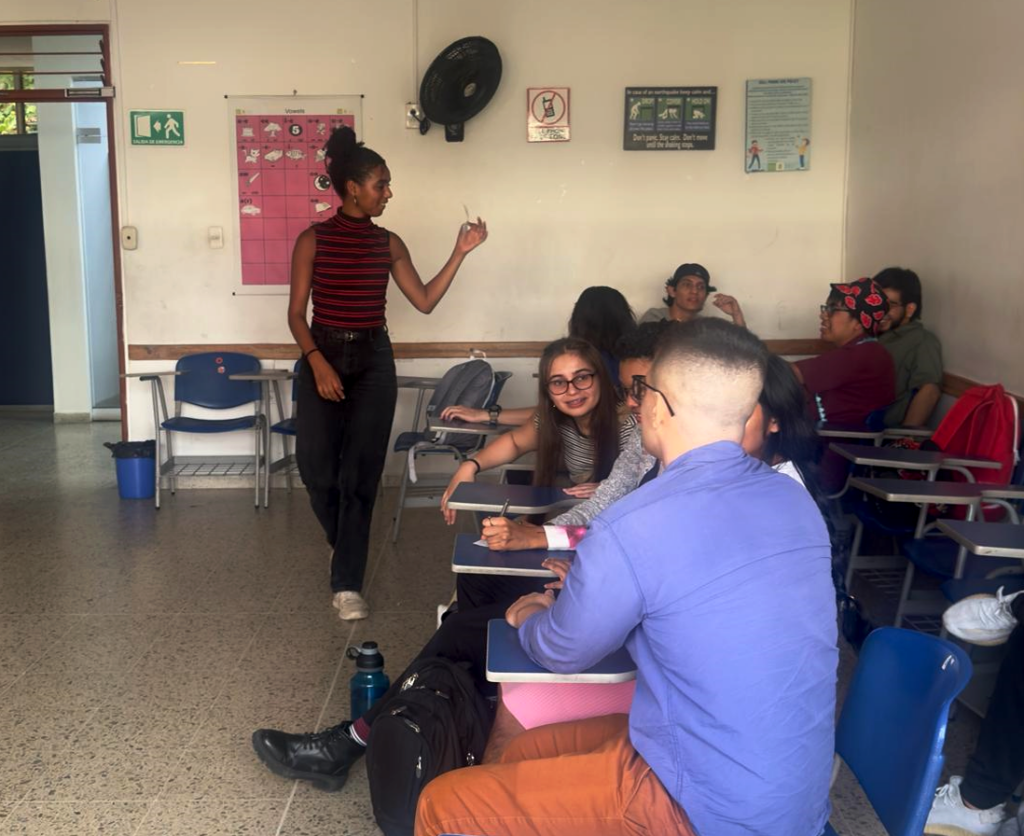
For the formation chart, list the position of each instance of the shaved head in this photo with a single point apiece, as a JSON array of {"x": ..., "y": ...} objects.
[{"x": 711, "y": 373}]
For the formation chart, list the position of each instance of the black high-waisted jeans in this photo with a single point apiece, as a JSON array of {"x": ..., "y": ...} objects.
[{"x": 341, "y": 446}]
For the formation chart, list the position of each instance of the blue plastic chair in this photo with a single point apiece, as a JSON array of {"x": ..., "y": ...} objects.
[
  {"x": 203, "y": 380},
  {"x": 408, "y": 440},
  {"x": 893, "y": 724},
  {"x": 286, "y": 429}
]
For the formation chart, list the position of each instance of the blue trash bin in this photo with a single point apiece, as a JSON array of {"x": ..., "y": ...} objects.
[{"x": 136, "y": 468}]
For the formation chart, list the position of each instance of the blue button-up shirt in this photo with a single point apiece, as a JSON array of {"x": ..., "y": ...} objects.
[{"x": 717, "y": 578}]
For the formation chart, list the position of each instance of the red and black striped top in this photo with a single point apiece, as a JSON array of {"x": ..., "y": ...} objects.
[{"x": 351, "y": 268}]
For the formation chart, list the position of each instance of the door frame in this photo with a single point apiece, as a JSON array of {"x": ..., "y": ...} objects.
[{"x": 105, "y": 94}]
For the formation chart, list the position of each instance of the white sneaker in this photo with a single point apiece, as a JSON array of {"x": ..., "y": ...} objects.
[
  {"x": 351, "y": 606},
  {"x": 982, "y": 619},
  {"x": 949, "y": 815}
]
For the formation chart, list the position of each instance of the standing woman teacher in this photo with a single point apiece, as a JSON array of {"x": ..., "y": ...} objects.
[{"x": 347, "y": 386}]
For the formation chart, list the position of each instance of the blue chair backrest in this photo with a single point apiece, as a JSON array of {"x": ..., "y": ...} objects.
[
  {"x": 206, "y": 382},
  {"x": 893, "y": 723}
]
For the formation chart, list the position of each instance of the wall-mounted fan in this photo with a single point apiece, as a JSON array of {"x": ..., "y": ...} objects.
[{"x": 459, "y": 83}]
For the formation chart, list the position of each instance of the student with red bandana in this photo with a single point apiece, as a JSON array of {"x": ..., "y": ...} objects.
[{"x": 847, "y": 384}]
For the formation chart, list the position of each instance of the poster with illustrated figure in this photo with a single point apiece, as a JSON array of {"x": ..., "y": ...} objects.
[
  {"x": 670, "y": 119},
  {"x": 778, "y": 136},
  {"x": 281, "y": 186}
]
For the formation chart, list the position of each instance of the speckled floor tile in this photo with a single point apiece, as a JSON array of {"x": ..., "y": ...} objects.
[
  {"x": 80, "y": 818},
  {"x": 227, "y": 817},
  {"x": 344, "y": 813},
  {"x": 92, "y": 770},
  {"x": 320, "y": 634}
]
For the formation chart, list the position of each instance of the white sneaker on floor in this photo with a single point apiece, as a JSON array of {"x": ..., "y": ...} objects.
[
  {"x": 949, "y": 815},
  {"x": 982, "y": 619},
  {"x": 351, "y": 606}
]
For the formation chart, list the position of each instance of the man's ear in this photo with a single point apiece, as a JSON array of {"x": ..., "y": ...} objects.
[{"x": 911, "y": 309}]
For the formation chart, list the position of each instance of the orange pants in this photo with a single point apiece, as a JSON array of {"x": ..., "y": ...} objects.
[{"x": 570, "y": 778}]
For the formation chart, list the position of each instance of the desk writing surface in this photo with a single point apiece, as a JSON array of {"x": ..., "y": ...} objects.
[
  {"x": 985, "y": 538},
  {"x": 469, "y": 427},
  {"x": 910, "y": 490},
  {"x": 413, "y": 382},
  {"x": 894, "y": 457},
  {"x": 469, "y": 558},
  {"x": 523, "y": 499},
  {"x": 1002, "y": 491},
  {"x": 508, "y": 662},
  {"x": 828, "y": 429}
]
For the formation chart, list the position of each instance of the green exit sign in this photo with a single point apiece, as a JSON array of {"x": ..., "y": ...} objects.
[{"x": 158, "y": 127}]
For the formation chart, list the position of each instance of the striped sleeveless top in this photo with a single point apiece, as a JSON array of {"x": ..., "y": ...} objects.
[{"x": 351, "y": 269}]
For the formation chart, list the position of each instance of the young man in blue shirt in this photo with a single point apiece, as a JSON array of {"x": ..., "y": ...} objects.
[{"x": 716, "y": 576}]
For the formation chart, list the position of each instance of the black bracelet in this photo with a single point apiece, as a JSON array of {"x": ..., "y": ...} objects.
[
  {"x": 311, "y": 351},
  {"x": 474, "y": 461}
]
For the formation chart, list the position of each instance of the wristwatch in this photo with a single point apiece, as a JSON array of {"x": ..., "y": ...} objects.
[{"x": 494, "y": 411}]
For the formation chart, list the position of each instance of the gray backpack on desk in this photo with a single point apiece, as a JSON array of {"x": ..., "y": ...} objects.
[{"x": 467, "y": 384}]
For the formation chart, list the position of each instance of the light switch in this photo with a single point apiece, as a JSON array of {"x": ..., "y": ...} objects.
[
  {"x": 216, "y": 236},
  {"x": 129, "y": 237}
]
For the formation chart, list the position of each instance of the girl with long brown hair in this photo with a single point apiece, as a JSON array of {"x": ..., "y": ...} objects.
[{"x": 577, "y": 431}]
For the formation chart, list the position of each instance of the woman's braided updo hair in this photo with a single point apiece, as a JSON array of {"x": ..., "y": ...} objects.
[{"x": 348, "y": 159}]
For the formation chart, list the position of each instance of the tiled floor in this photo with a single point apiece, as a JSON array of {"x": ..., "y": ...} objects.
[{"x": 139, "y": 649}]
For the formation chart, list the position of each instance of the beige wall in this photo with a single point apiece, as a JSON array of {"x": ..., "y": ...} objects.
[
  {"x": 561, "y": 216},
  {"x": 936, "y": 169}
]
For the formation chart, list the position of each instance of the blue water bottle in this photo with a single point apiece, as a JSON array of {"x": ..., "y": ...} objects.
[{"x": 369, "y": 682}]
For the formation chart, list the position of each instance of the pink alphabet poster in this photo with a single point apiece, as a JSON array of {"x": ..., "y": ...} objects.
[{"x": 282, "y": 185}]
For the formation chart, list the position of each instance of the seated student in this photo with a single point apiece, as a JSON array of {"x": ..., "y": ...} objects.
[
  {"x": 916, "y": 352},
  {"x": 975, "y": 803},
  {"x": 847, "y": 385},
  {"x": 780, "y": 434},
  {"x": 578, "y": 419},
  {"x": 635, "y": 351},
  {"x": 717, "y": 578},
  {"x": 601, "y": 316},
  {"x": 579, "y": 430},
  {"x": 685, "y": 295}
]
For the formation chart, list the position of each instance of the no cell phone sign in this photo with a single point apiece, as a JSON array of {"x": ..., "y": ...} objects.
[{"x": 547, "y": 114}]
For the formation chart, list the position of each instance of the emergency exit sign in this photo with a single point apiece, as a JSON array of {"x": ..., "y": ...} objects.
[{"x": 157, "y": 127}]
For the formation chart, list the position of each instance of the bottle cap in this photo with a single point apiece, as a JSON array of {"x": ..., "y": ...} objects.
[{"x": 367, "y": 656}]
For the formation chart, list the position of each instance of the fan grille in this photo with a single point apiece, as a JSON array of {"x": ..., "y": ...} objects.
[{"x": 461, "y": 81}]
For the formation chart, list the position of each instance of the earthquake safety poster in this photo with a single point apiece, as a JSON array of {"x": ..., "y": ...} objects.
[
  {"x": 778, "y": 135},
  {"x": 670, "y": 119},
  {"x": 281, "y": 183}
]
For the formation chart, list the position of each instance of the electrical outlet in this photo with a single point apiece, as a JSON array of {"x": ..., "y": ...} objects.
[{"x": 413, "y": 114}]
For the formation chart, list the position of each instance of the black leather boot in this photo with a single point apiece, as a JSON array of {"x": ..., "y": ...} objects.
[{"x": 323, "y": 758}]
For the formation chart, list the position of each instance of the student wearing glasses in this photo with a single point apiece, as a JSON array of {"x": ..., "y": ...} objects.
[
  {"x": 846, "y": 385},
  {"x": 916, "y": 351},
  {"x": 577, "y": 431}
]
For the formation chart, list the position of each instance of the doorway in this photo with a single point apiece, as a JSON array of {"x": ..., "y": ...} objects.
[{"x": 64, "y": 104}]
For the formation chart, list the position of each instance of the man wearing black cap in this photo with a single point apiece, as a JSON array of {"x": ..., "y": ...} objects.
[{"x": 687, "y": 291}]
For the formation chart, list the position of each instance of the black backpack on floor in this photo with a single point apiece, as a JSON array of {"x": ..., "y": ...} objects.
[{"x": 437, "y": 722}]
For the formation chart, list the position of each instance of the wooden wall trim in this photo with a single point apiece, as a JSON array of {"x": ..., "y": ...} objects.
[
  {"x": 413, "y": 351},
  {"x": 952, "y": 384}
]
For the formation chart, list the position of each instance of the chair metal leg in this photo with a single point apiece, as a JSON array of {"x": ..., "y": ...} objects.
[
  {"x": 908, "y": 580},
  {"x": 257, "y": 444},
  {"x": 401, "y": 501},
  {"x": 159, "y": 468},
  {"x": 858, "y": 533}
]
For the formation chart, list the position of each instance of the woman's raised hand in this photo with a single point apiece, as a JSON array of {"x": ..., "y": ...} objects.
[{"x": 471, "y": 236}]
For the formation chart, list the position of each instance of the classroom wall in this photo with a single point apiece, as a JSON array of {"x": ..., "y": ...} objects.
[
  {"x": 936, "y": 180},
  {"x": 561, "y": 216}
]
